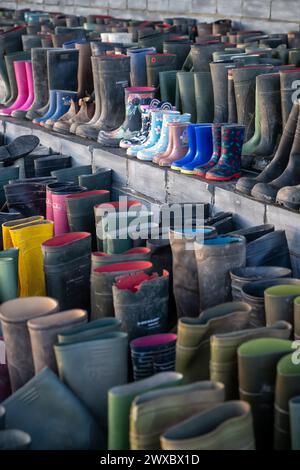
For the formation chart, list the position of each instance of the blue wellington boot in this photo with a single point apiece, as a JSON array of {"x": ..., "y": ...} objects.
[
  {"x": 63, "y": 103},
  {"x": 204, "y": 143},
  {"x": 191, "y": 151},
  {"x": 51, "y": 109}
]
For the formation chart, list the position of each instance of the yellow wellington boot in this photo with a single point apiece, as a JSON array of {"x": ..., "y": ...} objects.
[
  {"x": 7, "y": 241},
  {"x": 29, "y": 238}
]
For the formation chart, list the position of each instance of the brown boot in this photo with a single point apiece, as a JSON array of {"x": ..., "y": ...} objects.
[{"x": 85, "y": 114}]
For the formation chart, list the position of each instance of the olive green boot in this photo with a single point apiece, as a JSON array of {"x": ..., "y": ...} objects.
[{"x": 279, "y": 303}]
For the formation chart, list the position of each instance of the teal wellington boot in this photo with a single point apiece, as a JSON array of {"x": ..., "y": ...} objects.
[
  {"x": 8, "y": 279},
  {"x": 90, "y": 368},
  {"x": 287, "y": 387},
  {"x": 89, "y": 330},
  {"x": 101, "y": 179},
  {"x": 120, "y": 400},
  {"x": 45, "y": 399},
  {"x": 223, "y": 353},
  {"x": 257, "y": 362}
]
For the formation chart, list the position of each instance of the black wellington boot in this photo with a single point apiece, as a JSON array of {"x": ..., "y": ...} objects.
[
  {"x": 267, "y": 192},
  {"x": 280, "y": 160},
  {"x": 40, "y": 81},
  {"x": 245, "y": 86},
  {"x": 9, "y": 62},
  {"x": 180, "y": 48},
  {"x": 31, "y": 41},
  {"x": 156, "y": 63},
  {"x": 202, "y": 54},
  {"x": 43, "y": 166},
  {"x": 62, "y": 65},
  {"x": 146, "y": 38},
  {"x": 268, "y": 93},
  {"x": 20, "y": 147},
  {"x": 287, "y": 78},
  {"x": 232, "y": 111},
  {"x": 219, "y": 75}
]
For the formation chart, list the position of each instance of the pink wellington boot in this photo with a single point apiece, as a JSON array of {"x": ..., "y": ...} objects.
[
  {"x": 21, "y": 78},
  {"x": 59, "y": 207},
  {"x": 21, "y": 112}
]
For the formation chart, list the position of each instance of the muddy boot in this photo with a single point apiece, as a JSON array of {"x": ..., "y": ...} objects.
[
  {"x": 279, "y": 163},
  {"x": 228, "y": 426},
  {"x": 193, "y": 343},
  {"x": 84, "y": 76},
  {"x": 223, "y": 353},
  {"x": 14, "y": 317},
  {"x": 138, "y": 70},
  {"x": 156, "y": 63},
  {"x": 84, "y": 115},
  {"x": 202, "y": 54},
  {"x": 219, "y": 75},
  {"x": 9, "y": 62},
  {"x": 204, "y": 97},
  {"x": 287, "y": 77}
]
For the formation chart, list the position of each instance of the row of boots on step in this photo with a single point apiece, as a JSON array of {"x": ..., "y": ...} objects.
[
  {"x": 194, "y": 322},
  {"x": 99, "y": 79}
]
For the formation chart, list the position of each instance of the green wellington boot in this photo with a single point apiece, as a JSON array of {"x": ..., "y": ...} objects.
[
  {"x": 43, "y": 335},
  {"x": 250, "y": 146},
  {"x": 90, "y": 368},
  {"x": 141, "y": 304},
  {"x": 89, "y": 330},
  {"x": 186, "y": 86},
  {"x": 14, "y": 315},
  {"x": 287, "y": 387},
  {"x": 279, "y": 303},
  {"x": 14, "y": 439},
  {"x": 294, "y": 408},
  {"x": 228, "y": 426},
  {"x": 204, "y": 97},
  {"x": 297, "y": 318},
  {"x": 101, "y": 179},
  {"x": 167, "y": 83},
  {"x": 8, "y": 276},
  {"x": 223, "y": 353},
  {"x": 215, "y": 259},
  {"x": 153, "y": 413},
  {"x": 193, "y": 337},
  {"x": 46, "y": 400},
  {"x": 102, "y": 280},
  {"x": 120, "y": 400},
  {"x": 257, "y": 362}
]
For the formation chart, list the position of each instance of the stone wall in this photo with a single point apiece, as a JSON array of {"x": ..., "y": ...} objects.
[{"x": 269, "y": 15}]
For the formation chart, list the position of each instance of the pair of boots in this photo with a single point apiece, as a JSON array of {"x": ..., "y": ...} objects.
[
  {"x": 25, "y": 97},
  {"x": 225, "y": 163},
  {"x": 59, "y": 103},
  {"x": 78, "y": 113},
  {"x": 279, "y": 181}
]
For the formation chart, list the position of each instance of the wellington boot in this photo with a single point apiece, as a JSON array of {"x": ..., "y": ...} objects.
[
  {"x": 6, "y": 226},
  {"x": 62, "y": 66},
  {"x": 29, "y": 238},
  {"x": 289, "y": 197},
  {"x": 18, "y": 148},
  {"x": 45, "y": 165},
  {"x": 59, "y": 196},
  {"x": 84, "y": 115},
  {"x": 157, "y": 63},
  {"x": 268, "y": 87},
  {"x": 202, "y": 54},
  {"x": 244, "y": 85},
  {"x": 80, "y": 211},
  {"x": 14, "y": 316},
  {"x": 85, "y": 76},
  {"x": 67, "y": 267},
  {"x": 22, "y": 84},
  {"x": 99, "y": 258},
  {"x": 178, "y": 144},
  {"x": 8, "y": 278},
  {"x": 102, "y": 280},
  {"x": 98, "y": 363},
  {"x": 138, "y": 71},
  {"x": 154, "y": 412},
  {"x": 215, "y": 259},
  {"x": 254, "y": 233},
  {"x": 167, "y": 85},
  {"x": 9, "y": 63},
  {"x": 219, "y": 75},
  {"x": 101, "y": 179},
  {"x": 71, "y": 175},
  {"x": 147, "y": 38},
  {"x": 193, "y": 344},
  {"x": 10, "y": 41},
  {"x": 40, "y": 80},
  {"x": 280, "y": 161},
  {"x": 55, "y": 187},
  {"x": 204, "y": 97},
  {"x": 250, "y": 146},
  {"x": 232, "y": 111},
  {"x": 269, "y": 250},
  {"x": 7, "y": 174},
  {"x": 253, "y": 294},
  {"x": 267, "y": 192},
  {"x": 180, "y": 48},
  {"x": 14, "y": 439},
  {"x": 279, "y": 303},
  {"x": 43, "y": 335},
  {"x": 27, "y": 198},
  {"x": 287, "y": 387},
  {"x": 89, "y": 330},
  {"x": 153, "y": 354},
  {"x": 186, "y": 85},
  {"x": 257, "y": 383},
  {"x": 242, "y": 276},
  {"x": 62, "y": 124},
  {"x": 45, "y": 399},
  {"x": 223, "y": 351},
  {"x": 228, "y": 426},
  {"x": 31, "y": 41},
  {"x": 185, "y": 277},
  {"x": 64, "y": 100},
  {"x": 120, "y": 400},
  {"x": 141, "y": 304}
]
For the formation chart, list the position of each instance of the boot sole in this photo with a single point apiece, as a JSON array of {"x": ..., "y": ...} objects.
[
  {"x": 224, "y": 178},
  {"x": 289, "y": 205},
  {"x": 187, "y": 172}
]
